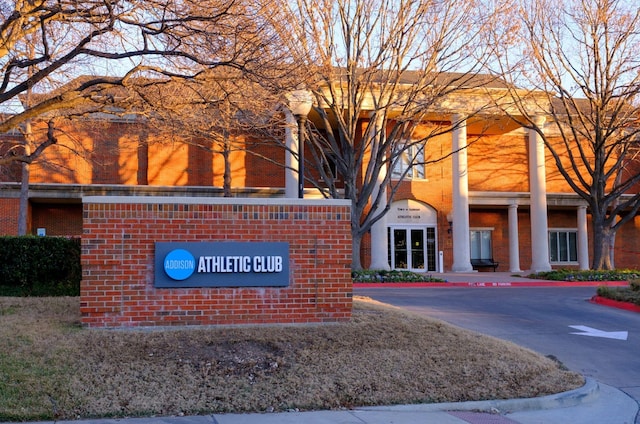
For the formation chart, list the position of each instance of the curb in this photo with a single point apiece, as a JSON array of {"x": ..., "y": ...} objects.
[
  {"x": 494, "y": 284},
  {"x": 627, "y": 306},
  {"x": 589, "y": 392}
]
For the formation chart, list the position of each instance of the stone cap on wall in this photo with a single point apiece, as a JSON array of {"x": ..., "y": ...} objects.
[{"x": 215, "y": 200}]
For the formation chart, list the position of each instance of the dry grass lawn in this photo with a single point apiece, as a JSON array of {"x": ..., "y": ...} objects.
[{"x": 51, "y": 368}]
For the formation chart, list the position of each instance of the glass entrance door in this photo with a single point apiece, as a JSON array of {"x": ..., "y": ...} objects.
[{"x": 412, "y": 248}]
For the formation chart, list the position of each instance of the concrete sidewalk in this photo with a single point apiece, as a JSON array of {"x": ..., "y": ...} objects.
[{"x": 593, "y": 403}]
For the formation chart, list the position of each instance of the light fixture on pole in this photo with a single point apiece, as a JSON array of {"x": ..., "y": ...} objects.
[
  {"x": 300, "y": 102},
  {"x": 450, "y": 221}
]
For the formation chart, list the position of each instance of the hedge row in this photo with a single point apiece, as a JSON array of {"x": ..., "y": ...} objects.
[
  {"x": 630, "y": 294},
  {"x": 39, "y": 266}
]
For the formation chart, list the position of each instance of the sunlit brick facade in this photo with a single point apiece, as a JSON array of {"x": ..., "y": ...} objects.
[{"x": 126, "y": 157}]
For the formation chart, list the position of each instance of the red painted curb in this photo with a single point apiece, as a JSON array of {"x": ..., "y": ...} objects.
[
  {"x": 615, "y": 303},
  {"x": 494, "y": 284}
]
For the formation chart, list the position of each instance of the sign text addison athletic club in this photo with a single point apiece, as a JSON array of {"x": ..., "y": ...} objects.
[{"x": 222, "y": 264}]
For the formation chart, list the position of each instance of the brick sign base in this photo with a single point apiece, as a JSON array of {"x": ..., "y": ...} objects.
[{"x": 119, "y": 236}]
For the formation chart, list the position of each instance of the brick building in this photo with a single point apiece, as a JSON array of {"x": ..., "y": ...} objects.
[{"x": 497, "y": 195}]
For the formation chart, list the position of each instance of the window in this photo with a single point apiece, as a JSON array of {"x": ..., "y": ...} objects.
[
  {"x": 330, "y": 166},
  {"x": 481, "y": 244},
  {"x": 409, "y": 159},
  {"x": 563, "y": 246}
]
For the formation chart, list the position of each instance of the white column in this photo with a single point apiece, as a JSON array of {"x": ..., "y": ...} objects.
[
  {"x": 538, "y": 195},
  {"x": 514, "y": 241},
  {"x": 379, "y": 256},
  {"x": 460, "y": 196},
  {"x": 290, "y": 157},
  {"x": 583, "y": 239}
]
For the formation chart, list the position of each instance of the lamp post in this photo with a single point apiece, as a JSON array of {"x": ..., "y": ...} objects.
[{"x": 300, "y": 102}]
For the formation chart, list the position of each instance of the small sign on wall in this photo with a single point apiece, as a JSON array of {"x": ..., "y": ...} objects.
[{"x": 221, "y": 264}]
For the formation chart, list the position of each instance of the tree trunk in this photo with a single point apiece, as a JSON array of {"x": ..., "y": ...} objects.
[
  {"x": 602, "y": 250},
  {"x": 612, "y": 249},
  {"x": 356, "y": 242},
  {"x": 23, "y": 210},
  {"x": 226, "y": 178}
]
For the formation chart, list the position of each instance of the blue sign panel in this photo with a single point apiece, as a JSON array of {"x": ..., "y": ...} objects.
[{"x": 221, "y": 264}]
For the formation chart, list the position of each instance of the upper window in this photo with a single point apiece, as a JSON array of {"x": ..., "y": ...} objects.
[
  {"x": 563, "y": 246},
  {"x": 410, "y": 159},
  {"x": 481, "y": 244},
  {"x": 329, "y": 166}
]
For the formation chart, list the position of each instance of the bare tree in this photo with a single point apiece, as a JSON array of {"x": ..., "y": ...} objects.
[
  {"x": 110, "y": 43},
  {"x": 379, "y": 68},
  {"x": 581, "y": 59},
  {"x": 215, "y": 113}
]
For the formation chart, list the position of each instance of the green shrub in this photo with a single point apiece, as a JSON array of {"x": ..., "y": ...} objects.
[
  {"x": 39, "y": 266},
  {"x": 605, "y": 291},
  {"x": 622, "y": 294},
  {"x": 587, "y": 275},
  {"x": 395, "y": 276}
]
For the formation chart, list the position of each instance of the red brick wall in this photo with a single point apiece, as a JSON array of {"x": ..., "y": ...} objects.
[
  {"x": 118, "y": 261},
  {"x": 627, "y": 248},
  {"x": 57, "y": 219},
  {"x": 9, "y": 208},
  {"x": 131, "y": 153}
]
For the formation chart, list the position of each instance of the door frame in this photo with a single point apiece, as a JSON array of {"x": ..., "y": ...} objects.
[{"x": 408, "y": 228}]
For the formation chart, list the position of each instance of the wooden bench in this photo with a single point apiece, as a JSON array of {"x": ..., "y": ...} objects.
[{"x": 484, "y": 263}]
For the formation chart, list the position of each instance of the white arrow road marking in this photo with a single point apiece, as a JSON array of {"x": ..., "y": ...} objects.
[{"x": 593, "y": 332}]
